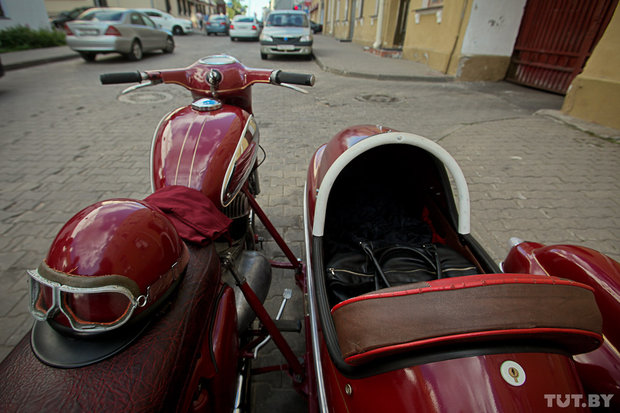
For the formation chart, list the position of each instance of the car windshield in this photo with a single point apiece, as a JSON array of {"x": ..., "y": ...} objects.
[
  {"x": 244, "y": 19},
  {"x": 217, "y": 19},
  {"x": 102, "y": 15},
  {"x": 287, "y": 19}
]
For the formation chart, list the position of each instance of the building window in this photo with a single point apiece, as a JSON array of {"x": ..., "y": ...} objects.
[
  {"x": 360, "y": 9},
  {"x": 431, "y": 3}
]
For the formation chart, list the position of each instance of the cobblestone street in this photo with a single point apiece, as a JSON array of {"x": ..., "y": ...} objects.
[{"x": 67, "y": 142}]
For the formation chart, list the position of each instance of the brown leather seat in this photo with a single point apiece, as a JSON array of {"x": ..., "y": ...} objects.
[
  {"x": 468, "y": 309},
  {"x": 152, "y": 374}
]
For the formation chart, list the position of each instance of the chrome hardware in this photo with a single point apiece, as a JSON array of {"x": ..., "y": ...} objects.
[
  {"x": 138, "y": 86},
  {"x": 214, "y": 77},
  {"x": 206, "y": 104},
  {"x": 286, "y": 295}
]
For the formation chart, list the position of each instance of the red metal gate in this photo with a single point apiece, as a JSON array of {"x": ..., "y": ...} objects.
[{"x": 555, "y": 40}]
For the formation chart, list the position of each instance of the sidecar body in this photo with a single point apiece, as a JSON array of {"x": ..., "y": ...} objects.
[{"x": 391, "y": 332}]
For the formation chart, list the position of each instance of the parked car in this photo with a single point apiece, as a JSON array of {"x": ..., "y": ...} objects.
[
  {"x": 316, "y": 27},
  {"x": 66, "y": 16},
  {"x": 109, "y": 30},
  {"x": 244, "y": 27},
  {"x": 167, "y": 21},
  {"x": 286, "y": 32},
  {"x": 217, "y": 23}
]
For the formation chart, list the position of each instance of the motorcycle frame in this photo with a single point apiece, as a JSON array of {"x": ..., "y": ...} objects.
[{"x": 302, "y": 377}]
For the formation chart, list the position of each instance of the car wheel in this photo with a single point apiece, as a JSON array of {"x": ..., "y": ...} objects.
[
  {"x": 135, "y": 52},
  {"x": 263, "y": 56},
  {"x": 232, "y": 39},
  {"x": 177, "y": 30},
  {"x": 88, "y": 56},
  {"x": 169, "y": 45}
]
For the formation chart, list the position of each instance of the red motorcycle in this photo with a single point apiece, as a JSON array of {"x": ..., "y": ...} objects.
[{"x": 148, "y": 305}]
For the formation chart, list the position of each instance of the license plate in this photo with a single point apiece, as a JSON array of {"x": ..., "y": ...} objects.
[
  {"x": 89, "y": 32},
  {"x": 286, "y": 47}
]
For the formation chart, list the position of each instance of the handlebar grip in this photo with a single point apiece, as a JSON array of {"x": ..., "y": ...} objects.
[
  {"x": 295, "y": 78},
  {"x": 122, "y": 77}
]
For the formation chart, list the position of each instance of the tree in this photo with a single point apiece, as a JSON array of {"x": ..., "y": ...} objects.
[{"x": 234, "y": 8}]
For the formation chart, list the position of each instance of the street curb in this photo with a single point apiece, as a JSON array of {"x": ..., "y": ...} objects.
[
  {"x": 41, "y": 61},
  {"x": 379, "y": 76},
  {"x": 603, "y": 132}
]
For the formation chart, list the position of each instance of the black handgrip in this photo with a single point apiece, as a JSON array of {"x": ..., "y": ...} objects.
[
  {"x": 122, "y": 77},
  {"x": 294, "y": 78}
]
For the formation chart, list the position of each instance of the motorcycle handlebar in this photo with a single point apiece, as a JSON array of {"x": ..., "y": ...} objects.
[
  {"x": 122, "y": 77},
  {"x": 294, "y": 78}
]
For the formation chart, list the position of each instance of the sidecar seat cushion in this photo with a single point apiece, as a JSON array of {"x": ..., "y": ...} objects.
[{"x": 475, "y": 308}]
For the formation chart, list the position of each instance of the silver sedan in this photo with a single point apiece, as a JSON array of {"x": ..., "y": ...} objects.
[
  {"x": 116, "y": 30},
  {"x": 245, "y": 27}
]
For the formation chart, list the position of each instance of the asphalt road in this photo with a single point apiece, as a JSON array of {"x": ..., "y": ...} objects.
[{"x": 67, "y": 142}]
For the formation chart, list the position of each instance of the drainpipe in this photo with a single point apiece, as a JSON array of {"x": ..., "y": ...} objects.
[
  {"x": 458, "y": 34},
  {"x": 378, "y": 41},
  {"x": 331, "y": 17}
]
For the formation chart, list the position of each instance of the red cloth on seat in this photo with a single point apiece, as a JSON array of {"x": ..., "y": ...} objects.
[{"x": 195, "y": 216}]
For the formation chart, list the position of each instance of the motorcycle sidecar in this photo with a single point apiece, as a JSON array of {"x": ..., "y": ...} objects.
[{"x": 408, "y": 312}]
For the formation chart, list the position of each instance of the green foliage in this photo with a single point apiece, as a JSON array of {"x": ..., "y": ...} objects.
[
  {"x": 23, "y": 38},
  {"x": 237, "y": 8}
]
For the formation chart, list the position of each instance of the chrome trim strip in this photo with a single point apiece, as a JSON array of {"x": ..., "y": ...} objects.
[
  {"x": 236, "y": 154},
  {"x": 314, "y": 329},
  {"x": 166, "y": 117},
  {"x": 385, "y": 139},
  {"x": 191, "y": 166},
  {"x": 176, "y": 174}
]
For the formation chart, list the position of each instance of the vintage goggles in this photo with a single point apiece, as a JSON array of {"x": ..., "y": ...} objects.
[{"x": 91, "y": 304}]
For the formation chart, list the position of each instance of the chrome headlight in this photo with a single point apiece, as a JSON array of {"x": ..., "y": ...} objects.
[
  {"x": 265, "y": 38},
  {"x": 306, "y": 38}
]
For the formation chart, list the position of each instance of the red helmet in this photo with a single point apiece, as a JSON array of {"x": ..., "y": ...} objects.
[{"x": 112, "y": 262}]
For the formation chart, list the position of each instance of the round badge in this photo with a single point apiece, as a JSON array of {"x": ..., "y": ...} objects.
[
  {"x": 206, "y": 104},
  {"x": 512, "y": 373}
]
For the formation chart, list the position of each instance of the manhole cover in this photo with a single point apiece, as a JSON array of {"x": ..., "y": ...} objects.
[
  {"x": 145, "y": 97},
  {"x": 377, "y": 99}
]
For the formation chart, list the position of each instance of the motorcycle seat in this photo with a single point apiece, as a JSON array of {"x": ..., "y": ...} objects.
[
  {"x": 150, "y": 375},
  {"x": 466, "y": 310}
]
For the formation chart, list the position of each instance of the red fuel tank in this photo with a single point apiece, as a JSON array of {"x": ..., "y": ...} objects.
[{"x": 206, "y": 146}]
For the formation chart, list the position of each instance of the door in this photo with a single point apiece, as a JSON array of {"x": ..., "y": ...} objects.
[
  {"x": 401, "y": 24},
  {"x": 555, "y": 39}
]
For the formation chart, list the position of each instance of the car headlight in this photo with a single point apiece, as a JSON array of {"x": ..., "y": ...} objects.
[
  {"x": 307, "y": 38},
  {"x": 265, "y": 38}
]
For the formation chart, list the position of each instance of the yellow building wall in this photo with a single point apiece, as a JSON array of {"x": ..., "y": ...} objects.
[
  {"x": 366, "y": 27},
  {"x": 594, "y": 95},
  {"x": 341, "y": 19},
  {"x": 434, "y": 34}
]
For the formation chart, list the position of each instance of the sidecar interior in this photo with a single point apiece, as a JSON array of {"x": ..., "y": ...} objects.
[{"x": 394, "y": 193}]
